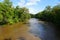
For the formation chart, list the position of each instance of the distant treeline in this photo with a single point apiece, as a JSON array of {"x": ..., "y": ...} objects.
[
  {"x": 10, "y": 14},
  {"x": 50, "y": 14}
]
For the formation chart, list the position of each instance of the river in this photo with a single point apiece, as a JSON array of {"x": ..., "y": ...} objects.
[
  {"x": 34, "y": 30},
  {"x": 41, "y": 30}
]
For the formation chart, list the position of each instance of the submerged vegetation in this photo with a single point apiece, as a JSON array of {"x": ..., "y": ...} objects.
[{"x": 11, "y": 15}]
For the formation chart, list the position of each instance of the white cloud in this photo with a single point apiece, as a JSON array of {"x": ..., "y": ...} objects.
[
  {"x": 33, "y": 11},
  {"x": 23, "y": 3},
  {"x": 32, "y": 2},
  {"x": 29, "y": 3}
]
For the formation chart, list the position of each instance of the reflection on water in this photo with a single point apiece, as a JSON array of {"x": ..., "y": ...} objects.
[{"x": 45, "y": 32}]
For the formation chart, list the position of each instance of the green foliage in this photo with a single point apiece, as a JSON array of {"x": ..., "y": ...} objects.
[
  {"x": 56, "y": 11},
  {"x": 32, "y": 15},
  {"x": 50, "y": 14},
  {"x": 1, "y": 17},
  {"x": 11, "y": 15}
]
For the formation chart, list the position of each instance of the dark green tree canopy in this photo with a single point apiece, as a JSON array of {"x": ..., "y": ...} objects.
[{"x": 50, "y": 14}]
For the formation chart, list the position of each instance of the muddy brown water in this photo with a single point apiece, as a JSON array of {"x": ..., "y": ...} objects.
[
  {"x": 16, "y": 31},
  {"x": 34, "y": 30}
]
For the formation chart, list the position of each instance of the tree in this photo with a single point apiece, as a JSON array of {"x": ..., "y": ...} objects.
[
  {"x": 50, "y": 14},
  {"x": 56, "y": 11},
  {"x": 7, "y": 3},
  {"x": 11, "y": 15}
]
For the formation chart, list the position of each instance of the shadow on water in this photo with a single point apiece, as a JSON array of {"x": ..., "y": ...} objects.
[
  {"x": 57, "y": 31},
  {"x": 40, "y": 29}
]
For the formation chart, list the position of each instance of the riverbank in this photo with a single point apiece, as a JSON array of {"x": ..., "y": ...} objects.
[{"x": 16, "y": 31}]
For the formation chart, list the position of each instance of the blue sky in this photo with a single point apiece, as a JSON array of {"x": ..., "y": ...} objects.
[{"x": 35, "y": 6}]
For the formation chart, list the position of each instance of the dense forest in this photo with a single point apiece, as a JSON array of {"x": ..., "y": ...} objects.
[
  {"x": 11, "y": 15},
  {"x": 50, "y": 14}
]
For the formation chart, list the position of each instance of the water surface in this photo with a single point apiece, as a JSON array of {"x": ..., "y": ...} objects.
[
  {"x": 18, "y": 31},
  {"x": 36, "y": 30},
  {"x": 42, "y": 30}
]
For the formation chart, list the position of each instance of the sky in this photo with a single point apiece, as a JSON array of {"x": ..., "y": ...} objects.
[{"x": 34, "y": 6}]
